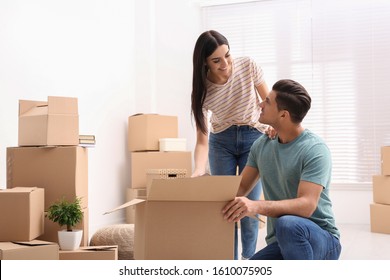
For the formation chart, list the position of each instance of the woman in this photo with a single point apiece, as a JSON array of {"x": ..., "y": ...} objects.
[{"x": 229, "y": 89}]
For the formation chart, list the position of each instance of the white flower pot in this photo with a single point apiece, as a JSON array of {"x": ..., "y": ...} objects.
[{"x": 70, "y": 240}]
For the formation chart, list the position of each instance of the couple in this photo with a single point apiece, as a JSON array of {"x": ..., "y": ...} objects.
[{"x": 294, "y": 167}]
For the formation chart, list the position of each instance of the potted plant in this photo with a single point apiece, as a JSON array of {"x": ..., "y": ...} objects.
[{"x": 70, "y": 214}]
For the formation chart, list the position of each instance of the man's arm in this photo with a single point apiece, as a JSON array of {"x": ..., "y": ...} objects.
[
  {"x": 303, "y": 205},
  {"x": 250, "y": 176}
]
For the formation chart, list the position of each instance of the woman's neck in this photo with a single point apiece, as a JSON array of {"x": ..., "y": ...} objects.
[{"x": 218, "y": 79}]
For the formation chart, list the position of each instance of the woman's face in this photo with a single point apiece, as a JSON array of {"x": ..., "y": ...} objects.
[{"x": 219, "y": 64}]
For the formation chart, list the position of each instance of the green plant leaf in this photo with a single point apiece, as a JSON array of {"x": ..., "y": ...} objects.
[{"x": 66, "y": 213}]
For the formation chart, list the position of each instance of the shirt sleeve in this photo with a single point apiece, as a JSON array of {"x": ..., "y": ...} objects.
[
  {"x": 318, "y": 166},
  {"x": 257, "y": 73}
]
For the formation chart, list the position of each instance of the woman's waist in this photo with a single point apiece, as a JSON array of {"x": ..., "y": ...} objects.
[{"x": 239, "y": 127}]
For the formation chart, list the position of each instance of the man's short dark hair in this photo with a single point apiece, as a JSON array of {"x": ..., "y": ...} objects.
[{"x": 292, "y": 97}]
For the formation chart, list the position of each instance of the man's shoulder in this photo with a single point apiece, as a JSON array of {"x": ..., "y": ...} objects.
[
  {"x": 262, "y": 140},
  {"x": 313, "y": 137},
  {"x": 314, "y": 142}
]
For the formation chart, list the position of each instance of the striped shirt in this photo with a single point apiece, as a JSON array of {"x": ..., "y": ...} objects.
[{"x": 236, "y": 102}]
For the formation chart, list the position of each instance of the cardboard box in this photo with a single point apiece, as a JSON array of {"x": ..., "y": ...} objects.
[
  {"x": 164, "y": 174},
  {"x": 21, "y": 213},
  {"x": 181, "y": 219},
  {"x": 145, "y": 130},
  {"x": 379, "y": 215},
  {"x": 51, "y": 229},
  {"x": 91, "y": 253},
  {"x": 33, "y": 250},
  {"x": 142, "y": 161},
  {"x": 381, "y": 189},
  {"x": 61, "y": 171},
  {"x": 385, "y": 160},
  {"x": 55, "y": 122},
  {"x": 173, "y": 144}
]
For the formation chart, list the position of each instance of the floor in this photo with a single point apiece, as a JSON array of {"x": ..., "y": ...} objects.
[{"x": 358, "y": 243}]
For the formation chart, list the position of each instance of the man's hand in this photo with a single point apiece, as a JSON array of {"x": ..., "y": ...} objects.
[{"x": 238, "y": 208}]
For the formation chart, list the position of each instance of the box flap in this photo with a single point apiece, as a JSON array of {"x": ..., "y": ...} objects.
[
  {"x": 54, "y": 105},
  {"x": 204, "y": 188},
  {"x": 127, "y": 204},
  {"x": 99, "y": 248},
  {"x": 142, "y": 114},
  {"x": 34, "y": 242},
  {"x": 62, "y": 105},
  {"x": 32, "y": 108}
]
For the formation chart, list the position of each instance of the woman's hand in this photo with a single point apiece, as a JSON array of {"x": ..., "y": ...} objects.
[
  {"x": 271, "y": 132},
  {"x": 197, "y": 173}
]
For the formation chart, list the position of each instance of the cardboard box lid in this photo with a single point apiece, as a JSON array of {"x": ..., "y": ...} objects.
[
  {"x": 104, "y": 252},
  {"x": 26, "y": 107},
  {"x": 34, "y": 242},
  {"x": 144, "y": 114},
  {"x": 204, "y": 188},
  {"x": 19, "y": 244},
  {"x": 62, "y": 105},
  {"x": 55, "y": 105},
  {"x": 173, "y": 140},
  {"x": 31, "y": 250},
  {"x": 19, "y": 190},
  {"x": 98, "y": 248}
]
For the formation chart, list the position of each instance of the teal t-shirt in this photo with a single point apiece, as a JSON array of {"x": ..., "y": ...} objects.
[{"x": 283, "y": 166}]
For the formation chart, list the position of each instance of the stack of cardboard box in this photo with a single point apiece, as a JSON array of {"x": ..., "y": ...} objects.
[
  {"x": 144, "y": 134},
  {"x": 49, "y": 157},
  {"x": 175, "y": 217},
  {"x": 44, "y": 160},
  {"x": 380, "y": 209}
]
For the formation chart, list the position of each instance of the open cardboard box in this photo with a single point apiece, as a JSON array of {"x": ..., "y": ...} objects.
[
  {"x": 182, "y": 219},
  {"x": 52, "y": 122}
]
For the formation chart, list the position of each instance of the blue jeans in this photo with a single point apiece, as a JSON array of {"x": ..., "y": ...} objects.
[
  {"x": 228, "y": 150},
  {"x": 299, "y": 238}
]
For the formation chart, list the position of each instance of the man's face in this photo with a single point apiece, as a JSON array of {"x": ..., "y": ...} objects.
[{"x": 269, "y": 110}]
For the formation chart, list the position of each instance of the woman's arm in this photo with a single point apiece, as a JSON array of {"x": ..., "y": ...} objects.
[
  {"x": 263, "y": 90},
  {"x": 200, "y": 153}
]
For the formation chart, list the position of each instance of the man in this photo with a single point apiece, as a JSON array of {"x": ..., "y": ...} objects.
[{"x": 295, "y": 169}]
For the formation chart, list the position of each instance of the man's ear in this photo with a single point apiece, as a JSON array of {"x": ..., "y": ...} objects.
[{"x": 285, "y": 114}]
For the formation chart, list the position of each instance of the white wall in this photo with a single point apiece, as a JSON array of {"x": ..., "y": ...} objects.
[
  {"x": 351, "y": 206},
  {"x": 119, "y": 58}
]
